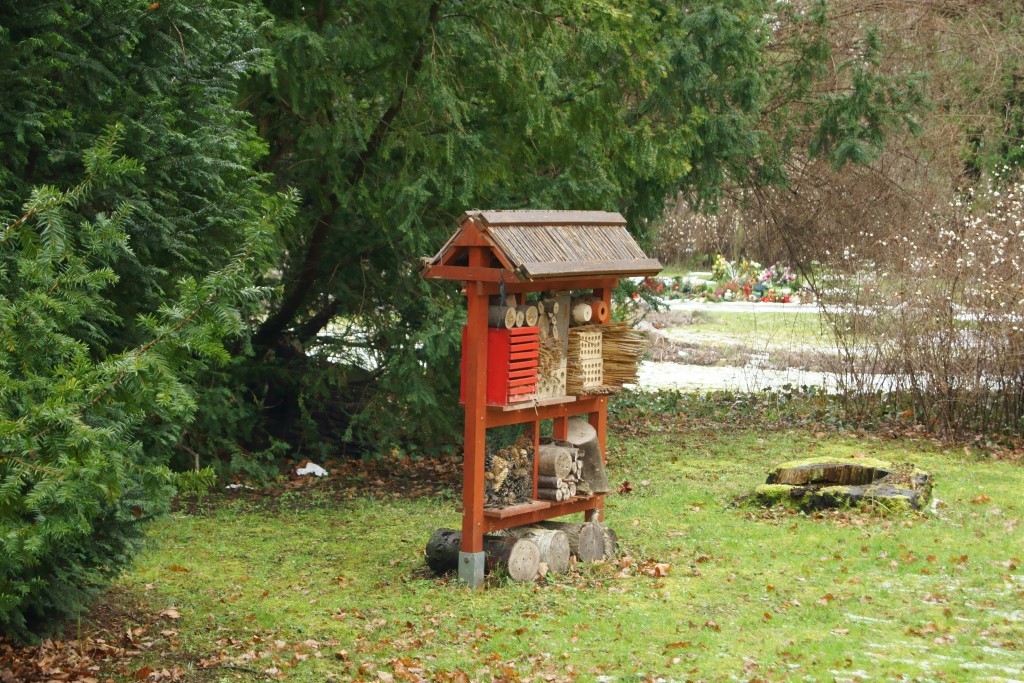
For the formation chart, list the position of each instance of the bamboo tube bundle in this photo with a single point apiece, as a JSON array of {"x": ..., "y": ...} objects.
[
  {"x": 622, "y": 347},
  {"x": 550, "y": 378},
  {"x": 508, "y": 474},
  {"x": 584, "y": 365}
]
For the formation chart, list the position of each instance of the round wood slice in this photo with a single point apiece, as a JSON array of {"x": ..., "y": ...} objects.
[
  {"x": 582, "y": 313},
  {"x": 523, "y": 560},
  {"x": 554, "y": 461},
  {"x": 520, "y": 556},
  {"x": 529, "y": 314},
  {"x": 520, "y": 318}
]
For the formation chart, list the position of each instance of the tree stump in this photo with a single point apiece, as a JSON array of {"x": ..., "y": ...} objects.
[{"x": 520, "y": 556}]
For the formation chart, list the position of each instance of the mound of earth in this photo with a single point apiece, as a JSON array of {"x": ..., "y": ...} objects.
[{"x": 821, "y": 483}]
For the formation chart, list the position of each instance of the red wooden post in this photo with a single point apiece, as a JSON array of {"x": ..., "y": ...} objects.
[
  {"x": 560, "y": 428},
  {"x": 476, "y": 413},
  {"x": 599, "y": 418},
  {"x": 534, "y": 428}
]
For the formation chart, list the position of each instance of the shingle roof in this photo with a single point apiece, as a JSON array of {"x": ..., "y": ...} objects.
[{"x": 550, "y": 244}]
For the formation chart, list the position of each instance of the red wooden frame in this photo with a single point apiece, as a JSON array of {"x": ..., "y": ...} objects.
[{"x": 483, "y": 280}]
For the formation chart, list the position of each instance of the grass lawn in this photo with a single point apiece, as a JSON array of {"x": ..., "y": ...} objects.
[
  {"x": 765, "y": 329},
  {"x": 329, "y": 582}
]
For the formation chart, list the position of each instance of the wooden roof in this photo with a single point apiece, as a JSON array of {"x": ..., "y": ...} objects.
[{"x": 550, "y": 244}]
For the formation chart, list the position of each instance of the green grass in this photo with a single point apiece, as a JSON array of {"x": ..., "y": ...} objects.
[
  {"x": 755, "y": 329},
  {"x": 750, "y": 594}
]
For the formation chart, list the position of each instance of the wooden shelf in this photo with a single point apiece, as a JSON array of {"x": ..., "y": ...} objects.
[
  {"x": 531, "y": 513},
  {"x": 514, "y": 510},
  {"x": 498, "y": 417},
  {"x": 526, "y": 405}
]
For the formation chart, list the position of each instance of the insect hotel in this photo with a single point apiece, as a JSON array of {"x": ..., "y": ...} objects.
[{"x": 538, "y": 345}]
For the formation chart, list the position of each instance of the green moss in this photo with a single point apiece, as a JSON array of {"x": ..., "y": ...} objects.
[
  {"x": 834, "y": 490},
  {"x": 774, "y": 489},
  {"x": 776, "y": 494}
]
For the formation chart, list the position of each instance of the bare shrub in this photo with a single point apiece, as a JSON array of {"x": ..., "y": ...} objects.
[
  {"x": 916, "y": 256},
  {"x": 935, "y": 315}
]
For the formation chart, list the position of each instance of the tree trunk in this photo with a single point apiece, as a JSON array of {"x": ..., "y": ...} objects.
[{"x": 519, "y": 555}]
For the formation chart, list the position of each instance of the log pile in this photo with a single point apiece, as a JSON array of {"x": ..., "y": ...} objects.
[
  {"x": 527, "y": 552},
  {"x": 588, "y": 541},
  {"x": 553, "y": 545},
  {"x": 508, "y": 474},
  {"x": 622, "y": 347},
  {"x": 520, "y": 556},
  {"x": 560, "y": 472},
  {"x": 509, "y": 314}
]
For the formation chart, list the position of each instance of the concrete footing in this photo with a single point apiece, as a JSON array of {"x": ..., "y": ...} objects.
[{"x": 471, "y": 569}]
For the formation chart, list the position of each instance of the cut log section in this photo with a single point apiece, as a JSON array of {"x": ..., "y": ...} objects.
[
  {"x": 555, "y": 461},
  {"x": 529, "y": 315},
  {"x": 501, "y": 317},
  {"x": 582, "y": 313},
  {"x": 520, "y": 556},
  {"x": 586, "y": 539},
  {"x": 583, "y": 435},
  {"x": 553, "y": 545},
  {"x": 557, "y": 495}
]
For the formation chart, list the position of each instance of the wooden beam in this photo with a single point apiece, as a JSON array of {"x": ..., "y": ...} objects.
[
  {"x": 551, "y": 285},
  {"x": 496, "y": 417},
  {"x": 467, "y": 274},
  {"x": 618, "y": 268},
  {"x": 532, "y": 516}
]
